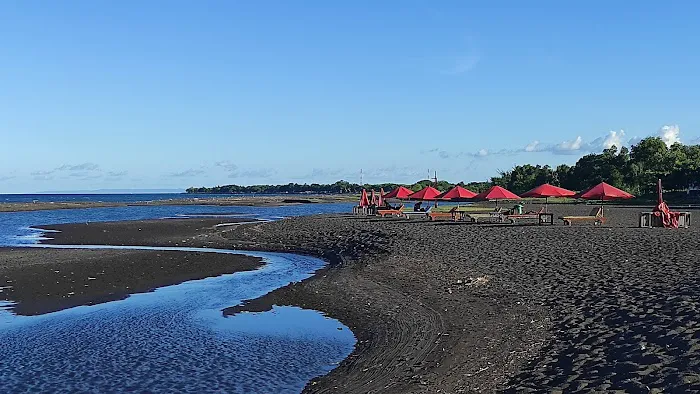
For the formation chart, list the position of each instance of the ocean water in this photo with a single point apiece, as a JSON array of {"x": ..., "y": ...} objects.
[
  {"x": 136, "y": 197},
  {"x": 15, "y": 226},
  {"x": 115, "y": 198},
  {"x": 176, "y": 338}
]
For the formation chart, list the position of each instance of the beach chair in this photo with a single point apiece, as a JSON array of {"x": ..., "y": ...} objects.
[
  {"x": 596, "y": 216},
  {"x": 415, "y": 214},
  {"x": 451, "y": 215},
  {"x": 391, "y": 212}
]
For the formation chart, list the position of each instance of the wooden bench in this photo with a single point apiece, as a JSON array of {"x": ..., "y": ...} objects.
[
  {"x": 596, "y": 216},
  {"x": 451, "y": 214},
  {"x": 415, "y": 214},
  {"x": 391, "y": 212},
  {"x": 495, "y": 216},
  {"x": 538, "y": 216}
]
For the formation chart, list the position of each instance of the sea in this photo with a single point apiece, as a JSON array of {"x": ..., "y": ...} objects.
[
  {"x": 176, "y": 338},
  {"x": 107, "y": 198}
]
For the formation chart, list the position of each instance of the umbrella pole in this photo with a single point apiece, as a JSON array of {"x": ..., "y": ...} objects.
[{"x": 546, "y": 202}]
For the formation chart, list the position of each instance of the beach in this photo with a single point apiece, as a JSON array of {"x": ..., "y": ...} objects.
[
  {"x": 456, "y": 307},
  {"x": 47, "y": 280},
  {"x": 449, "y": 307}
]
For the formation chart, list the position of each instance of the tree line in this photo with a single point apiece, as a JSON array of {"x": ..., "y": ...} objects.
[{"x": 634, "y": 170}]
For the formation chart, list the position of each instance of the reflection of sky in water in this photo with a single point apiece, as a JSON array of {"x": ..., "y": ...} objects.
[{"x": 175, "y": 338}]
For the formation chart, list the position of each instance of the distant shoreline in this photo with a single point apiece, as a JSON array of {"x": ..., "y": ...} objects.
[{"x": 256, "y": 201}]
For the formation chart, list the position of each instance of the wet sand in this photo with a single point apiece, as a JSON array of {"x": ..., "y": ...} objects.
[
  {"x": 458, "y": 307},
  {"x": 47, "y": 280},
  {"x": 253, "y": 201}
]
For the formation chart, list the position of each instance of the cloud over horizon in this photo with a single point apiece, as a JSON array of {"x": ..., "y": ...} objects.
[
  {"x": 233, "y": 171},
  {"x": 670, "y": 134},
  {"x": 187, "y": 173}
]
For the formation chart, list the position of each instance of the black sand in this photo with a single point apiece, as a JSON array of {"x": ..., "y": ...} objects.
[
  {"x": 457, "y": 307},
  {"x": 444, "y": 307},
  {"x": 46, "y": 280}
]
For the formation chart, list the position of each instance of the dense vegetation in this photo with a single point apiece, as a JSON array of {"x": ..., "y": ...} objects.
[
  {"x": 634, "y": 170},
  {"x": 339, "y": 187}
]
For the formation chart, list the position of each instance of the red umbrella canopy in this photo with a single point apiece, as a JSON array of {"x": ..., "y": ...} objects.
[
  {"x": 604, "y": 192},
  {"x": 457, "y": 193},
  {"x": 380, "y": 199},
  {"x": 548, "y": 190},
  {"x": 427, "y": 193},
  {"x": 373, "y": 198},
  {"x": 400, "y": 192},
  {"x": 497, "y": 193},
  {"x": 364, "y": 201}
]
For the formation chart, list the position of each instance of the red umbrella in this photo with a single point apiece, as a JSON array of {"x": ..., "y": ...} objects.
[
  {"x": 373, "y": 199},
  {"x": 604, "y": 192},
  {"x": 497, "y": 193},
  {"x": 457, "y": 193},
  {"x": 380, "y": 199},
  {"x": 364, "y": 201},
  {"x": 547, "y": 191},
  {"x": 427, "y": 193},
  {"x": 400, "y": 193}
]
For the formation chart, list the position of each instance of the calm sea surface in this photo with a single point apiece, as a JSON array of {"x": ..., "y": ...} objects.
[
  {"x": 136, "y": 197},
  {"x": 176, "y": 338}
]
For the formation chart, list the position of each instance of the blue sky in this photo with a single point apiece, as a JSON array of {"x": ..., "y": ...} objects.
[{"x": 129, "y": 94}]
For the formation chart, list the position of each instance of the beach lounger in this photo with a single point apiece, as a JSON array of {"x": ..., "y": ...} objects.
[
  {"x": 391, "y": 212},
  {"x": 451, "y": 215},
  {"x": 492, "y": 216},
  {"x": 415, "y": 214},
  {"x": 596, "y": 216}
]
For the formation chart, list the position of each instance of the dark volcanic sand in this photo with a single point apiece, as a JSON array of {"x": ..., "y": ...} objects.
[
  {"x": 443, "y": 307},
  {"x": 457, "y": 307},
  {"x": 169, "y": 232},
  {"x": 46, "y": 280}
]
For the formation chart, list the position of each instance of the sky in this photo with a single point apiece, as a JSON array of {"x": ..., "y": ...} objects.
[{"x": 171, "y": 94}]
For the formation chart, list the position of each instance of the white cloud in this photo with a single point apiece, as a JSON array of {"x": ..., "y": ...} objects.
[
  {"x": 670, "y": 134},
  {"x": 42, "y": 173},
  {"x": 569, "y": 146},
  {"x": 187, "y": 173},
  {"x": 79, "y": 167},
  {"x": 227, "y": 165},
  {"x": 236, "y": 172},
  {"x": 533, "y": 146},
  {"x": 615, "y": 138},
  {"x": 253, "y": 173}
]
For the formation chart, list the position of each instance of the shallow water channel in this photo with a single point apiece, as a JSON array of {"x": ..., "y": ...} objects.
[{"x": 176, "y": 338}]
